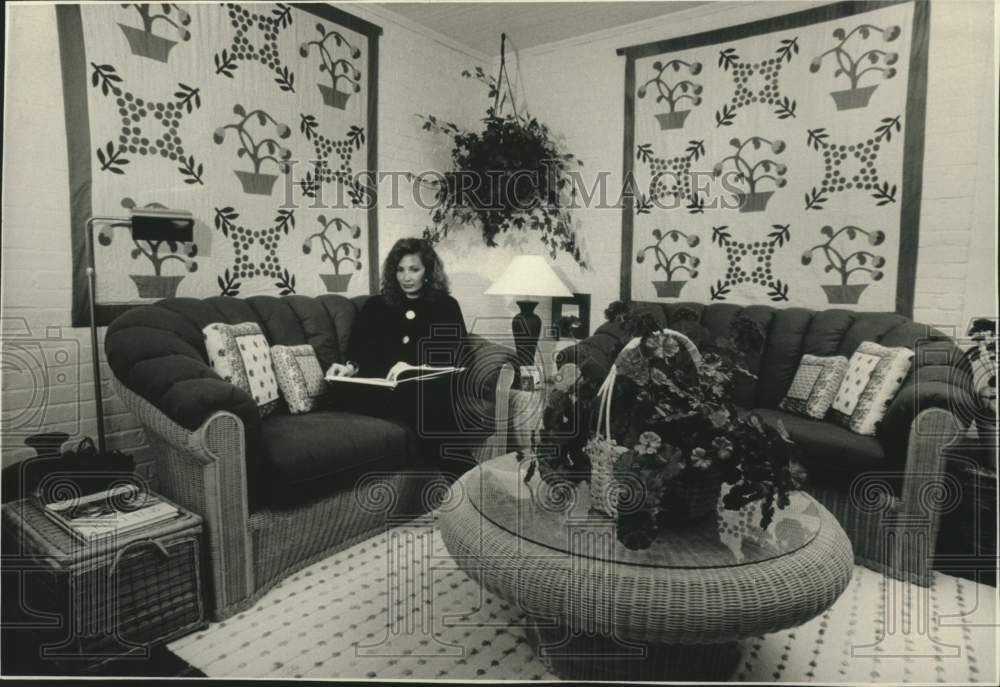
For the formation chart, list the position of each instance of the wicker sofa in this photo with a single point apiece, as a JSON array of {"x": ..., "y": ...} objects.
[
  {"x": 281, "y": 492},
  {"x": 888, "y": 491}
]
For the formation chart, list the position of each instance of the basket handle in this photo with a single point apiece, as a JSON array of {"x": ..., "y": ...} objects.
[
  {"x": 121, "y": 552},
  {"x": 604, "y": 393},
  {"x": 604, "y": 400}
]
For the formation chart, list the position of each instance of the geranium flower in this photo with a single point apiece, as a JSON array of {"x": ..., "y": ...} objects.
[
  {"x": 661, "y": 345},
  {"x": 798, "y": 473},
  {"x": 700, "y": 459},
  {"x": 672, "y": 460},
  {"x": 649, "y": 443},
  {"x": 723, "y": 447},
  {"x": 719, "y": 418},
  {"x": 633, "y": 365}
]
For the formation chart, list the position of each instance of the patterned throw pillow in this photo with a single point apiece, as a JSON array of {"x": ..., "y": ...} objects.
[
  {"x": 873, "y": 377},
  {"x": 299, "y": 376},
  {"x": 240, "y": 354},
  {"x": 815, "y": 385}
]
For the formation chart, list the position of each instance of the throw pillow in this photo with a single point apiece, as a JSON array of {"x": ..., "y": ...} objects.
[
  {"x": 815, "y": 385},
  {"x": 874, "y": 375},
  {"x": 299, "y": 376},
  {"x": 240, "y": 354}
]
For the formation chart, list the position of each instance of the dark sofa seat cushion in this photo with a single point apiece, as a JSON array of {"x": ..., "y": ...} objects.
[
  {"x": 329, "y": 449},
  {"x": 832, "y": 455}
]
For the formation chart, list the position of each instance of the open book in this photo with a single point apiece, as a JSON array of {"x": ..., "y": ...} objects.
[{"x": 399, "y": 373}]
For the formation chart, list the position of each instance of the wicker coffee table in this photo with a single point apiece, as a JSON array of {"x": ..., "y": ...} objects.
[{"x": 671, "y": 612}]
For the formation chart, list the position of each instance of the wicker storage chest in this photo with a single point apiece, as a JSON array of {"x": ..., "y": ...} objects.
[{"x": 106, "y": 599}]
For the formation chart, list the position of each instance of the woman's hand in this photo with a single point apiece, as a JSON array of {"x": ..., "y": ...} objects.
[{"x": 340, "y": 370}]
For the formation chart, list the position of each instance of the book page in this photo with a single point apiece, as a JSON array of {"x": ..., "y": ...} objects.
[{"x": 401, "y": 369}]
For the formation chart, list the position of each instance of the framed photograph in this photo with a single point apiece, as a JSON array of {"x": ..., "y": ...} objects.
[{"x": 578, "y": 307}]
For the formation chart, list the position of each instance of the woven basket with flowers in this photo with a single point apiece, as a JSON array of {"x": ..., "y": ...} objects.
[{"x": 659, "y": 435}]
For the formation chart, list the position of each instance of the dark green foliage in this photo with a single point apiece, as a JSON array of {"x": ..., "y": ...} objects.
[{"x": 510, "y": 175}]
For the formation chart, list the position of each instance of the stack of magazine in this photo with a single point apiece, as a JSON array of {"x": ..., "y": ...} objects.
[{"x": 113, "y": 512}]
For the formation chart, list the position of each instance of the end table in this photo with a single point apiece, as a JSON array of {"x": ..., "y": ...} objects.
[{"x": 105, "y": 599}]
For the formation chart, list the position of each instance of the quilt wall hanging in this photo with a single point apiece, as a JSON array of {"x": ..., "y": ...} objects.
[
  {"x": 259, "y": 119},
  {"x": 778, "y": 161}
]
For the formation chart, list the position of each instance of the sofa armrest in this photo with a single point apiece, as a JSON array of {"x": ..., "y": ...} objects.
[
  {"x": 205, "y": 471},
  {"x": 595, "y": 355},
  {"x": 484, "y": 359},
  {"x": 928, "y": 493},
  {"x": 915, "y": 397},
  {"x": 189, "y": 393},
  {"x": 154, "y": 355}
]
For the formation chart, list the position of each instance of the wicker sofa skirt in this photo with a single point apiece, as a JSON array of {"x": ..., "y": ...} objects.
[{"x": 285, "y": 541}]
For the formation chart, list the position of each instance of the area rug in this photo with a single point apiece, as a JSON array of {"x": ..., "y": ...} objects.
[{"x": 399, "y": 607}]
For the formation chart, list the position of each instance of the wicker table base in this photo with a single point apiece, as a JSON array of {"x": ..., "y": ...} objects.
[
  {"x": 582, "y": 656},
  {"x": 678, "y": 607}
]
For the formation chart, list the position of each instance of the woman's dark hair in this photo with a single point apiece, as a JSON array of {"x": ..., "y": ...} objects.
[{"x": 435, "y": 279}]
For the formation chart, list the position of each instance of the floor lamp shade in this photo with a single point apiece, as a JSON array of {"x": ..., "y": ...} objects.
[
  {"x": 528, "y": 276},
  {"x": 146, "y": 224},
  {"x": 161, "y": 225}
]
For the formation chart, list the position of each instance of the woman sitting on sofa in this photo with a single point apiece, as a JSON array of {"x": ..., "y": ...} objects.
[{"x": 414, "y": 320}]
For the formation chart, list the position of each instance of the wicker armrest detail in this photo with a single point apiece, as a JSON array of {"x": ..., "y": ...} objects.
[
  {"x": 205, "y": 471},
  {"x": 931, "y": 432}
]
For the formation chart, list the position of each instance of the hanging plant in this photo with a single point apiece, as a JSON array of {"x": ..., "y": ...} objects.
[{"x": 511, "y": 175}]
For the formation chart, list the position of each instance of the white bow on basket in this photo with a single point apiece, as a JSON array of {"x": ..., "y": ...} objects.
[{"x": 602, "y": 449}]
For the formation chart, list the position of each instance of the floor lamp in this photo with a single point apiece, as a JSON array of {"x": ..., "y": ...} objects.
[
  {"x": 531, "y": 276},
  {"x": 148, "y": 224}
]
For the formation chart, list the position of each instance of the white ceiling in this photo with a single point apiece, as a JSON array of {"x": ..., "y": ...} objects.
[{"x": 478, "y": 25}]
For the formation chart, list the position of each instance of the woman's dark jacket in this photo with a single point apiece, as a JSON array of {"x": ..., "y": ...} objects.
[{"x": 425, "y": 331}]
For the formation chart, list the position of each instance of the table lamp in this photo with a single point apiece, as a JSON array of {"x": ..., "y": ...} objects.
[
  {"x": 147, "y": 224},
  {"x": 531, "y": 276}
]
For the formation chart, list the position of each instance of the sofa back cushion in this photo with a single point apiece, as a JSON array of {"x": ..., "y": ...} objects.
[
  {"x": 168, "y": 333},
  {"x": 790, "y": 333}
]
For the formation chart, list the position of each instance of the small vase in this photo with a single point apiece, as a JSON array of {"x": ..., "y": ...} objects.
[{"x": 692, "y": 497}]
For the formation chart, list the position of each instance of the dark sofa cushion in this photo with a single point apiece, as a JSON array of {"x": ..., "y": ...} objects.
[
  {"x": 329, "y": 449},
  {"x": 832, "y": 455},
  {"x": 782, "y": 355},
  {"x": 595, "y": 354}
]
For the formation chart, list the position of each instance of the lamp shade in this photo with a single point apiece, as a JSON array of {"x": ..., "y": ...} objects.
[
  {"x": 529, "y": 275},
  {"x": 161, "y": 224}
]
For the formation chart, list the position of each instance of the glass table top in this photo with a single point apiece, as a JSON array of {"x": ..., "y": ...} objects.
[{"x": 562, "y": 519}]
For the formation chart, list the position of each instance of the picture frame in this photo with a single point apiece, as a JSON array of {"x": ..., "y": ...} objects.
[{"x": 579, "y": 306}]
